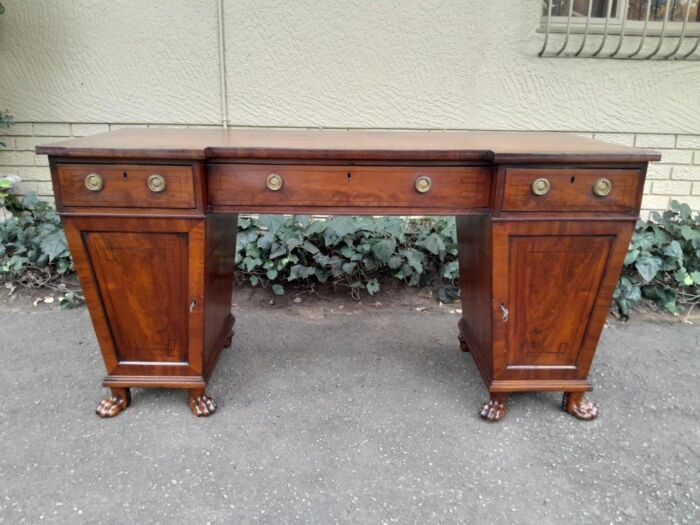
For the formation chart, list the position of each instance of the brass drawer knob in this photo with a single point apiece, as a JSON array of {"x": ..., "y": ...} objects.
[
  {"x": 540, "y": 186},
  {"x": 274, "y": 182},
  {"x": 156, "y": 183},
  {"x": 423, "y": 184},
  {"x": 602, "y": 187},
  {"x": 94, "y": 182}
]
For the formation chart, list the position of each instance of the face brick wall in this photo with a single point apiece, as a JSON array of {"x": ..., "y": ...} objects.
[{"x": 677, "y": 176}]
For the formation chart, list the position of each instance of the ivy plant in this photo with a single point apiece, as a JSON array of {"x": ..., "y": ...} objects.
[
  {"x": 663, "y": 261},
  {"x": 33, "y": 249},
  {"x": 349, "y": 252}
]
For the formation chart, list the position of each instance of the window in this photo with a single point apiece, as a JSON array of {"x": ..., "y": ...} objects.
[
  {"x": 637, "y": 12},
  {"x": 643, "y": 28}
]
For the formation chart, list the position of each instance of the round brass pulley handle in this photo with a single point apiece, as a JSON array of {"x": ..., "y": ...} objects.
[
  {"x": 94, "y": 182},
  {"x": 423, "y": 184},
  {"x": 156, "y": 183},
  {"x": 274, "y": 182},
  {"x": 602, "y": 187},
  {"x": 540, "y": 186}
]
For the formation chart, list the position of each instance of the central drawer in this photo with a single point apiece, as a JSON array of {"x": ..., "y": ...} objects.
[{"x": 449, "y": 187}]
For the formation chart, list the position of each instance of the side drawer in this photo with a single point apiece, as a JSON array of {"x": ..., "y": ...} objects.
[
  {"x": 126, "y": 185},
  {"x": 339, "y": 186},
  {"x": 571, "y": 189}
]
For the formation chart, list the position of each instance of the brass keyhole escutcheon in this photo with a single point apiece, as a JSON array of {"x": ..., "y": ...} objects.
[
  {"x": 94, "y": 182},
  {"x": 274, "y": 182},
  {"x": 540, "y": 186},
  {"x": 423, "y": 184},
  {"x": 602, "y": 187},
  {"x": 156, "y": 183}
]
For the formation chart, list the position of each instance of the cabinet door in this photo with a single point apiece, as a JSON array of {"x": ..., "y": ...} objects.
[
  {"x": 142, "y": 279},
  {"x": 555, "y": 281}
]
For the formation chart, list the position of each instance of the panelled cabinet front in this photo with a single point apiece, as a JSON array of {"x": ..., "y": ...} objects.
[
  {"x": 140, "y": 275},
  {"x": 555, "y": 244},
  {"x": 552, "y": 290},
  {"x": 147, "y": 315},
  {"x": 157, "y": 283}
]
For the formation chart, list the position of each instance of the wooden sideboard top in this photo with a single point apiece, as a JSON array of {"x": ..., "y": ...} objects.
[{"x": 441, "y": 146}]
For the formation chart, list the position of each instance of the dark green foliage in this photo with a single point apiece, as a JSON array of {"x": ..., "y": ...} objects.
[
  {"x": 33, "y": 249},
  {"x": 663, "y": 261},
  {"x": 351, "y": 252}
]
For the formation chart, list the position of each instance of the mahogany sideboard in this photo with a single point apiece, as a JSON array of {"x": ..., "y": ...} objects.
[{"x": 543, "y": 225}]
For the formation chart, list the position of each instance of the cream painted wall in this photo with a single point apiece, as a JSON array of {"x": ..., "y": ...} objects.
[
  {"x": 110, "y": 61},
  {"x": 464, "y": 64}
]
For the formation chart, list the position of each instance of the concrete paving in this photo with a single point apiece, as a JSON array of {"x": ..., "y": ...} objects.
[{"x": 332, "y": 417}]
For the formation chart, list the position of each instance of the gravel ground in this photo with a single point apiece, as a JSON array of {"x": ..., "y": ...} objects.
[{"x": 340, "y": 415}]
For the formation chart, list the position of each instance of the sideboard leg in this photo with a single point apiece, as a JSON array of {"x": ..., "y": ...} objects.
[
  {"x": 463, "y": 343},
  {"x": 229, "y": 340},
  {"x": 117, "y": 402},
  {"x": 496, "y": 409},
  {"x": 200, "y": 403},
  {"x": 575, "y": 404}
]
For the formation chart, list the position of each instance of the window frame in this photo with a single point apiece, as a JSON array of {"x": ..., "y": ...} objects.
[{"x": 615, "y": 24}]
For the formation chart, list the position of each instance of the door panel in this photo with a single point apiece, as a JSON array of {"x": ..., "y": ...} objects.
[
  {"x": 553, "y": 285},
  {"x": 143, "y": 280}
]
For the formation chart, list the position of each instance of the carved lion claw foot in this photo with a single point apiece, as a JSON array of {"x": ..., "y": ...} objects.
[
  {"x": 229, "y": 340},
  {"x": 574, "y": 404},
  {"x": 463, "y": 343},
  {"x": 202, "y": 405},
  {"x": 495, "y": 409},
  {"x": 114, "y": 404}
]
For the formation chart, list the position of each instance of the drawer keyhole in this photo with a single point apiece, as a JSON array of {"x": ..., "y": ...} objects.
[
  {"x": 349, "y": 176},
  {"x": 125, "y": 175},
  {"x": 573, "y": 179}
]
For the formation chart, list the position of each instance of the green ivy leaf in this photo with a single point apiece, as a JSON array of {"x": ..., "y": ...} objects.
[
  {"x": 648, "y": 267},
  {"x": 372, "y": 286},
  {"x": 689, "y": 233},
  {"x": 251, "y": 263},
  {"x": 384, "y": 249},
  {"x": 54, "y": 244},
  {"x": 631, "y": 257},
  {"x": 30, "y": 200},
  {"x": 433, "y": 243},
  {"x": 451, "y": 270},
  {"x": 674, "y": 250},
  {"x": 278, "y": 289},
  {"x": 293, "y": 242},
  {"x": 310, "y": 247},
  {"x": 394, "y": 262},
  {"x": 302, "y": 220},
  {"x": 316, "y": 227},
  {"x": 272, "y": 222},
  {"x": 682, "y": 208},
  {"x": 348, "y": 252},
  {"x": 278, "y": 251},
  {"x": 343, "y": 226}
]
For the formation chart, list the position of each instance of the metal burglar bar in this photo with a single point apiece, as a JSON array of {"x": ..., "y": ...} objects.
[{"x": 621, "y": 29}]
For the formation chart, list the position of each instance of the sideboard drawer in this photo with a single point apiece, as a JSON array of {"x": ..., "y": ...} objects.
[
  {"x": 565, "y": 189},
  {"x": 328, "y": 186},
  {"x": 126, "y": 185}
]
